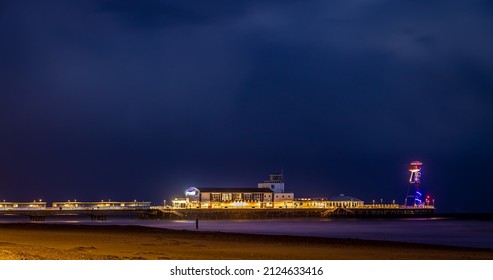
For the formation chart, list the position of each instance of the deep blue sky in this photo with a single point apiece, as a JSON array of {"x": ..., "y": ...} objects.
[{"x": 128, "y": 100}]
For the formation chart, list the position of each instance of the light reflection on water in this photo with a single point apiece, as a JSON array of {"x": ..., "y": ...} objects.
[{"x": 437, "y": 230}]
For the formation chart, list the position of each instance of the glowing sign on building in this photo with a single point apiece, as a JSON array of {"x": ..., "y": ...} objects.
[{"x": 192, "y": 192}]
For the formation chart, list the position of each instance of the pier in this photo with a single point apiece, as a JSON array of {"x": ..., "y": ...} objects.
[
  {"x": 268, "y": 200},
  {"x": 97, "y": 211},
  {"x": 375, "y": 211},
  {"x": 160, "y": 212},
  {"x": 95, "y": 214}
]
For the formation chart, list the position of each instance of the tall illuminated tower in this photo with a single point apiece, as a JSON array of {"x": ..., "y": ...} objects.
[{"x": 414, "y": 193}]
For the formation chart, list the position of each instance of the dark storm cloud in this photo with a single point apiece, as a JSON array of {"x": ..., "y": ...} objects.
[{"x": 144, "y": 97}]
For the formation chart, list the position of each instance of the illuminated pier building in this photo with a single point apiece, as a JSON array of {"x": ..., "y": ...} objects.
[
  {"x": 66, "y": 205},
  {"x": 268, "y": 194},
  {"x": 225, "y": 197},
  {"x": 22, "y": 205}
]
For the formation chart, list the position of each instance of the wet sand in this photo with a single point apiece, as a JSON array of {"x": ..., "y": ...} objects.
[{"x": 37, "y": 241}]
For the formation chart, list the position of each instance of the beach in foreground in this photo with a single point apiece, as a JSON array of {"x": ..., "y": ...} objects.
[{"x": 82, "y": 242}]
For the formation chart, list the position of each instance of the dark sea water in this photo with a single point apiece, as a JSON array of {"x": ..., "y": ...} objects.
[{"x": 437, "y": 230}]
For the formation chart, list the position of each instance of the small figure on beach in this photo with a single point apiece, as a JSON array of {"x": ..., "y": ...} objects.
[{"x": 196, "y": 223}]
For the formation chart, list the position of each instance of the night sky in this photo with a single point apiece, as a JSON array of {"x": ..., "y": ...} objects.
[{"x": 127, "y": 100}]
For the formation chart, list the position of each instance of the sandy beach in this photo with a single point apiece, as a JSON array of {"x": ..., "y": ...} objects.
[{"x": 82, "y": 242}]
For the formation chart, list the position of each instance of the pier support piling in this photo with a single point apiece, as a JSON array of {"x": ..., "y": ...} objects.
[{"x": 98, "y": 217}]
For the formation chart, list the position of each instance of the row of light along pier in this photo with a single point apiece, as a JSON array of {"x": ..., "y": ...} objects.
[{"x": 39, "y": 211}]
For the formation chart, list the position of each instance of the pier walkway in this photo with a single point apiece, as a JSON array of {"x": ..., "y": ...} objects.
[
  {"x": 40, "y": 214},
  {"x": 159, "y": 212},
  {"x": 370, "y": 211}
]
